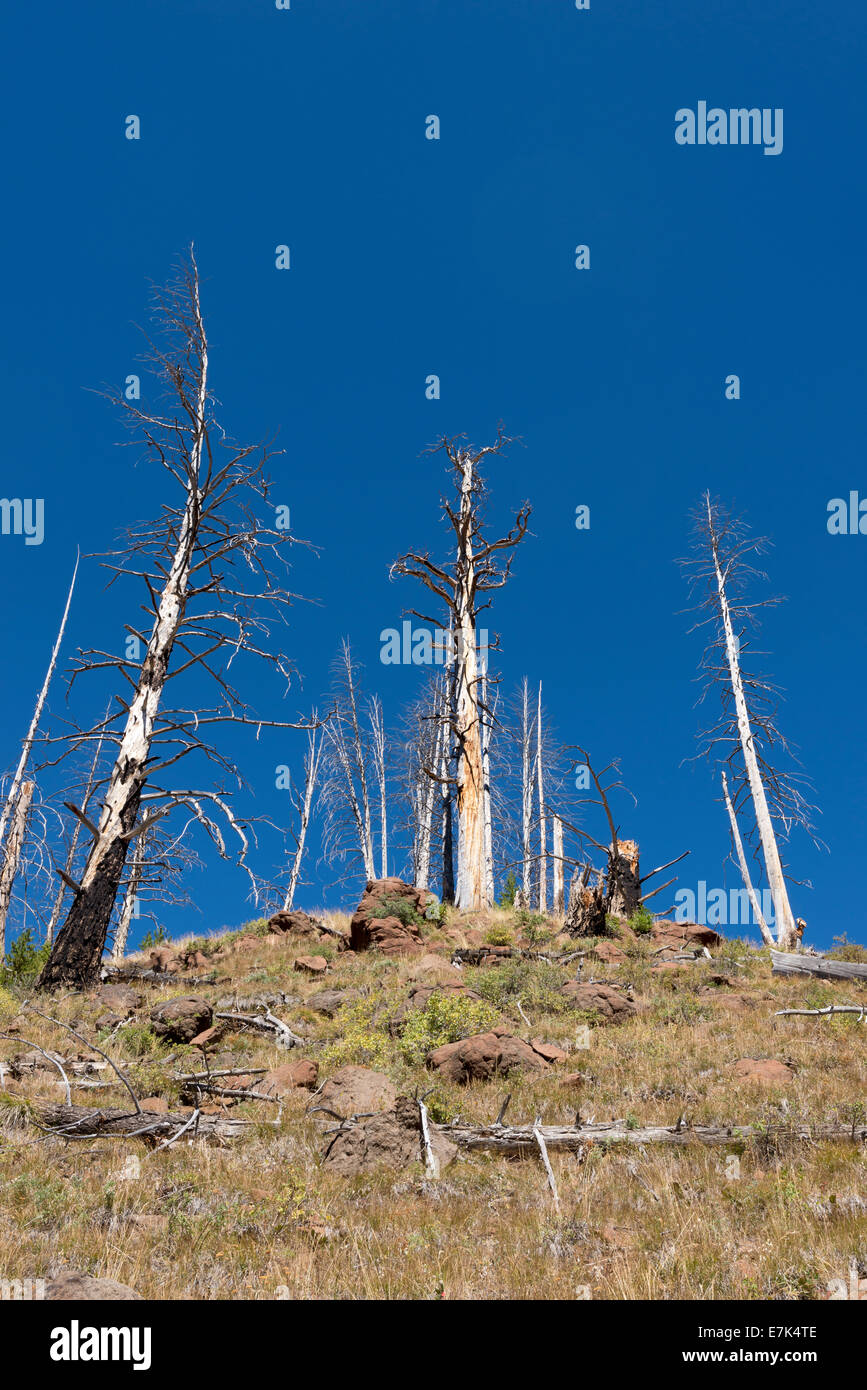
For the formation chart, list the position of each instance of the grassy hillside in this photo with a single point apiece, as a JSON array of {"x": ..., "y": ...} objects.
[{"x": 263, "y": 1219}]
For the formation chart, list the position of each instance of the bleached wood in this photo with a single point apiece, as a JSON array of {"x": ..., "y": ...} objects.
[
  {"x": 767, "y": 934},
  {"x": 12, "y": 856},
  {"x": 785, "y": 920}
]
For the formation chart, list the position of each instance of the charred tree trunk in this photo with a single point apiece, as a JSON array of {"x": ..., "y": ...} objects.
[
  {"x": 623, "y": 891},
  {"x": 77, "y": 952}
]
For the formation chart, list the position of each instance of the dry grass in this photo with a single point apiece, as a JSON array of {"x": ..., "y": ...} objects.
[{"x": 264, "y": 1220}]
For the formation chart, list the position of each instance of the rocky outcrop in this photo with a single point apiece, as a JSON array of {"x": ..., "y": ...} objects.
[
  {"x": 610, "y": 1005},
  {"x": 181, "y": 1020},
  {"x": 485, "y": 1055},
  {"x": 373, "y": 926}
]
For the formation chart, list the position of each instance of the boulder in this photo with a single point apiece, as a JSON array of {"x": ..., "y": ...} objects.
[
  {"x": 550, "y": 1051},
  {"x": 681, "y": 933},
  {"x": 611, "y": 1005},
  {"x": 71, "y": 1286},
  {"x": 392, "y": 1139},
  {"x": 164, "y": 960},
  {"x": 181, "y": 1020},
  {"x": 355, "y": 1091},
  {"x": 767, "y": 1072},
  {"x": 295, "y": 924},
  {"x": 328, "y": 1001},
  {"x": 289, "y": 1077},
  {"x": 484, "y": 1055},
  {"x": 120, "y": 999},
  {"x": 607, "y": 952},
  {"x": 311, "y": 965},
  {"x": 388, "y": 934}
]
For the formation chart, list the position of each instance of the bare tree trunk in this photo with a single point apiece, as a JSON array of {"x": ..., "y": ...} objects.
[
  {"x": 767, "y": 934},
  {"x": 787, "y": 937},
  {"x": 76, "y": 953},
  {"x": 430, "y": 741},
  {"x": 558, "y": 864},
  {"x": 76, "y": 832},
  {"x": 476, "y": 569},
  {"x": 487, "y": 725},
  {"x": 527, "y": 771},
  {"x": 13, "y": 795},
  {"x": 12, "y": 858},
  {"x": 377, "y": 727},
  {"x": 311, "y": 770},
  {"x": 130, "y": 900},
  {"x": 360, "y": 765},
  {"x": 543, "y": 868},
  {"x": 471, "y": 894},
  {"x": 447, "y": 894}
]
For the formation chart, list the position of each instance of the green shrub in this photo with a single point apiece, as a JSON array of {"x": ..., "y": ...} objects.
[
  {"x": 641, "y": 921},
  {"x": 445, "y": 1018},
  {"x": 158, "y": 937},
  {"x": 535, "y": 983},
  {"x": 24, "y": 959},
  {"x": 498, "y": 936},
  {"x": 844, "y": 949},
  {"x": 509, "y": 889},
  {"x": 259, "y": 926},
  {"x": 400, "y": 908},
  {"x": 437, "y": 913},
  {"x": 364, "y": 1039}
]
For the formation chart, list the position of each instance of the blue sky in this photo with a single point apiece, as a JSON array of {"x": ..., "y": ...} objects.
[{"x": 409, "y": 257}]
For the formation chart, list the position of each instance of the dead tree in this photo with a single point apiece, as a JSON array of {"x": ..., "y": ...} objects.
[
  {"x": 615, "y": 889},
  {"x": 67, "y": 876},
  {"x": 303, "y": 807},
  {"x": 426, "y": 734},
  {"x": 345, "y": 795},
  {"x": 543, "y": 851},
  {"x": 12, "y": 856},
  {"x": 475, "y": 570},
  {"x": 527, "y": 777},
  {"x": 129, "y": 909},
  {"x": 14, "y": 810},
  {"x": 746, "y": 736},
  {"x": 212, "y": 598},
  {"x": 378, "y": 742}
]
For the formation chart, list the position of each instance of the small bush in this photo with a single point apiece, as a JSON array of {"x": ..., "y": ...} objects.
[
  {"x": 509, "y": 889},
  {"x": 641, "y": 921},
  {"x": 364, "y": 1040},
  {"x": 400, "y": 908},
  {"x": 535, "y": 983},
  {"x": 844, "y": 949},
  {"x": 437, "y": 913},
  {"x": 498, "y": 936},
  {"x": 158, "y": 937},
  {"x": 444, "y": 1019},
  {"x": 24, "y": 959}
]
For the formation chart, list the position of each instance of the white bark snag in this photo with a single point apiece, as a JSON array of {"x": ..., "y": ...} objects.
[
  {"x": 76, "y": 832},
  {"x": 360, "y": 764},
  {"x": 527, "y": 770},
  {"x": 471, "y": 888},
  {"x": 478, "y": 567},
  {"x": 14, "y": 844},
  {"x": 377, "y": 727},
  {"x": 15, "y": 785},
  {"x": 90, "y": 911},
  {"x": 787, "y": 936},
  {"x": 767, "y": 934},
  {"x": 557, "y": 827},
  {"x": 128, "y": 910},
  {"x": 311, "y": 771},
  {"x": 543, "y": 864},
  {"x": 486, "y": 775}
]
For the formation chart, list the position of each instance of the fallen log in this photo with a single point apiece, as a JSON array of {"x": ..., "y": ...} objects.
[
  {"x": 90, "y": 1122},
  {"x": 523, "y": 1140},
  {"x": 826, "y": 1012},
  {"x": 785, "y": 963}
]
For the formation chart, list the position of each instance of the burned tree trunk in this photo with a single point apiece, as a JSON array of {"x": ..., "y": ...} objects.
[{"x": 624, "y": 881}]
